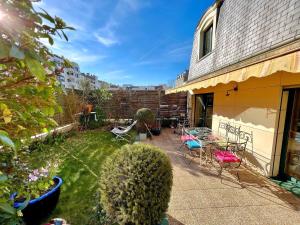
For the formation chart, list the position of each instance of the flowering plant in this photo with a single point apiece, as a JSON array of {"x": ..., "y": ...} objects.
[
  {"x": 20, "y": 183},
  {"x": 40, "y": 181},
  {"x": 34, "y": 182}
]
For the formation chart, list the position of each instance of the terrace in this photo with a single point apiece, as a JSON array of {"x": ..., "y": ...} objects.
[
  {"x": 199, "y": 196},
  {"x": 77, "y": 150}
]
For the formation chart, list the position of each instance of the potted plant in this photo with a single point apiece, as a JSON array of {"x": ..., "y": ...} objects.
[
  {"x": 145, "y": 119},
  {"x": 37, "y": 192}
]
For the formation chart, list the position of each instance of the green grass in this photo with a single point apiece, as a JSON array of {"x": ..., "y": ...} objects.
[{"x": 80, "y": 158}]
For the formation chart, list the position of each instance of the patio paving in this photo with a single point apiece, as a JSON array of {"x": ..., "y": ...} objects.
[{"x": 199, "y": 196}]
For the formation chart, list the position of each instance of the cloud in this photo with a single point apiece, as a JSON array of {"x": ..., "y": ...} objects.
[
  {"x": 71, "y": 52},
  {"x": 180, "y": 51},
  {"x": 161, "y": 53},
  {"x": 114, "y": 72},
  {"x": 116, "y": 76},
  {"x": 106, "y": 35},
  {"x": 106, "y": 41},
  {"x": 148, "y": 62},
  {"x": 79, "y": 57},
  {"x": 154, "y": 48}
]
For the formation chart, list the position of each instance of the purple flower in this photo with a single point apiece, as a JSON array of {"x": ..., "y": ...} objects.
[
  {"x": 44, "y": 172},
  {"x": 32, "y": 177},
  {"x": 36, "y": 172}
]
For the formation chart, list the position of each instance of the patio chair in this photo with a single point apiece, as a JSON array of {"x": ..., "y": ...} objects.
[
  {"x": 184, "y": 138},
  {"x": 193, "y": 146},
  {"x": 121, "y": 133},
  {"x": 232, "y": 156}
]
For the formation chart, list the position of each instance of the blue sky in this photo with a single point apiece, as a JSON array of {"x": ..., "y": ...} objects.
[{"x": 139, "y": 42}]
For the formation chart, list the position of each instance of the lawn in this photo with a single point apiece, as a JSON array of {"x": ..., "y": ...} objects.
[{"x": 80, "y": 158}]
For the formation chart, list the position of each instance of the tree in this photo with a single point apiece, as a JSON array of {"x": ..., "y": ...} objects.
[
  {"x": 85, "y": 86},
  {"x": 28, "y": 84},
  {"x": 28, "y": 81},
  {"x": 101, "y": 96}
]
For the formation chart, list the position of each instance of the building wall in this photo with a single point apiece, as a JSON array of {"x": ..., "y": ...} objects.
[
  {"x": 256, "y": 108},
  {"x": 247, "y": 28}
]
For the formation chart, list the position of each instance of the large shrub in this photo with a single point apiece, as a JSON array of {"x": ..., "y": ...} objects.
[
  {"x": 135, "y": 185},
  {"x": 144, "y": 116}
]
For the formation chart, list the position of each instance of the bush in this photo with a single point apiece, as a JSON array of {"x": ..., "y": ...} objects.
[
  {"x": 136, "y": 184},
  {"x": 144, "y": 116}
]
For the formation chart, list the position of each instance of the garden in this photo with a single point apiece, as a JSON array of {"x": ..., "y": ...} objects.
[{"x": 84, "y": 174}]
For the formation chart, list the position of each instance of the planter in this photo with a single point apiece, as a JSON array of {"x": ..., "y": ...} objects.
[
  {"x": 40, "y": 208},
  {"x": 155, "y": 131},
  {"x": 142, "y": 136}
]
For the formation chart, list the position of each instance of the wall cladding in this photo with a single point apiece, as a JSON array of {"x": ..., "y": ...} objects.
[
  {"x": 246, "y": 28},
  {"x": 125, "y": 103}
]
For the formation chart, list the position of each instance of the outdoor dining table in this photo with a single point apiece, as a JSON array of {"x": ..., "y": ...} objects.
[{"x": 207, "y": 138}]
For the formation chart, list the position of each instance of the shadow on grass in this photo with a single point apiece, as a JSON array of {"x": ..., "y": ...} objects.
[{"x": 80, "y": 158}]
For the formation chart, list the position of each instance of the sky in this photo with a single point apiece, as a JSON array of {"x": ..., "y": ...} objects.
[{"x": 140, "y": 42}]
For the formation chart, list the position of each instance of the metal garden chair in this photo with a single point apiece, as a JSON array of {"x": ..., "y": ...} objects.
[{"x": 232, "y": 157}]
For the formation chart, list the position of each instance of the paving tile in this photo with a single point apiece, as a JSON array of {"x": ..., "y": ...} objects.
[
  {"x": 220, "y": 216},
  {"x": 182, "y": 217},
  {"x": 199, "y": 196}
]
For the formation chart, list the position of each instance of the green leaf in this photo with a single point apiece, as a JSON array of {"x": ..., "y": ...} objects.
[
  {"x": 5, "y": 207},
  {"x": 5, "y": 140},
  {"x": 70, "y": 28},
  {"x": 3, "y": 178},
  {"x": 4, "y": 49},
  {"x": 46, "y": 16},
  {"x": 16, "y": 52},
  {"x": 7, "y": 115},
  {"x": 66, "y": 37},
  {"x": 53, "y": 122},
  {"x": 50, "y": 39},
  {"x": 36, "y": 68}
]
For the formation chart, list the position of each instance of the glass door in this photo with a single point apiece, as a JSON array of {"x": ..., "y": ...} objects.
[
  {"x": 204, "y": 110},
  {"x": 291, "y": 149}
]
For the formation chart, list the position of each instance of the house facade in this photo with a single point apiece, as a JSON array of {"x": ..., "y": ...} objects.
[
  {"x": 71, "y": 77},
  {"x": 245, "y": 70}
]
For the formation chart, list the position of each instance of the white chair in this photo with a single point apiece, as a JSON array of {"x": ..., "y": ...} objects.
[{"x": 121, "y": 133}]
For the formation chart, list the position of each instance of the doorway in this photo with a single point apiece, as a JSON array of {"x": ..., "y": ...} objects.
[
  {"x": 290, "y": 155},
  {"x": 203, "y": 110}
]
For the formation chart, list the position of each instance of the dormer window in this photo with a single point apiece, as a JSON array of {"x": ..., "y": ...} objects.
[
  {"x": 206, "y": 31},
  {"x": 207, "y": 40}
]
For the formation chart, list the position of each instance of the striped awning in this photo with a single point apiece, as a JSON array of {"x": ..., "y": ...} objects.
[{"x": 289, "y": 63}]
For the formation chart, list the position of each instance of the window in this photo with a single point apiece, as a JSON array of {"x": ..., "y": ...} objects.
[
  {"x": 207, "y": 40},
  {"x": 206, "y": 30}
]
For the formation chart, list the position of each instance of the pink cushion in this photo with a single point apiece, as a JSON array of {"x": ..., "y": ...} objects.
[
  {"x": 185, "y": 138},
  {"x": 226, "y": 157}
]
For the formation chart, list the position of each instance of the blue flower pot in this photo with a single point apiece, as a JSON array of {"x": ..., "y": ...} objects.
[{"x": 40, "y": 208}]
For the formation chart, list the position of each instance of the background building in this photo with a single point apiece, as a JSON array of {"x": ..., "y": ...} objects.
[
  {"x": 182, "y": 78},
  {"x": 71, "y": 78}
]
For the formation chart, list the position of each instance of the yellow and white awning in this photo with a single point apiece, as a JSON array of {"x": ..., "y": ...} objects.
[{"x": 289, "y": 63}]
